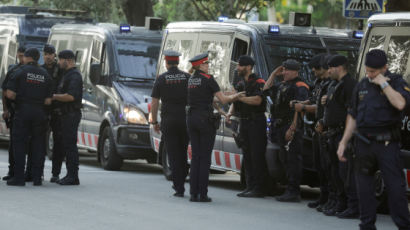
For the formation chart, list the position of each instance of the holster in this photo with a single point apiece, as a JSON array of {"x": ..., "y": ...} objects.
[
  {"x": 215, "y": 119},
  {"x": 365, "y": 162}
]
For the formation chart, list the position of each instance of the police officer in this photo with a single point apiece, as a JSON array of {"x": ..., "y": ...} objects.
[
  {"x": 8, "y": 108},
  {"x": 171, "y": 88},
  {"x": 376, "y": 113},
  {"x": 337, "y": 102},
  {"x": 69, "y": 94},
  {"x": 286, "y": 122},
  {"x": 251, "y": 110},
  {"x": 318, "y": 63},
  {"x": 202, "y": 124},
  {"x": 50, "y": 64},
  {"x": 31, "y": 89}
]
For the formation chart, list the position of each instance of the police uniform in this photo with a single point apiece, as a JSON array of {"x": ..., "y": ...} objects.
[
  {"x": 379, "y": 122},
  {"x": 282, "y": 117},
  {"x": 253, "y": 132},
  {"x": 32, "y": 86},
  {"x": 320, "y": 86},
  {"x": 9, "y": 122},
  {"x": 55, "y": 113},
  {"x": 171, "y": 88},
  {"x": 338, "y": 100},
  {"x": 71, "y": 83},
  {"x": 201, "y": 128}
]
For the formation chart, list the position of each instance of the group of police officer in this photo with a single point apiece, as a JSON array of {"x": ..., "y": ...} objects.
[
  {"x": 340, "y": 107},
  {"x": 35, "y": 98}
]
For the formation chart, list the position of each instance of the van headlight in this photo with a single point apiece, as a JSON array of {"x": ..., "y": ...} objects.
[{"x": 134, "y": 116}]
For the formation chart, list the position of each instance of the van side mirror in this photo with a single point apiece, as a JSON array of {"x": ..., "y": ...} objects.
[{"x": 95, "y": 73}]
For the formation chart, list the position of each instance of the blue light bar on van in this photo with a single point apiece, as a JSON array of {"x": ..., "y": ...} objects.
[
  {"x": 358, "y": 34},
  {"x": 369, "y": 25},
  {"x": 222, "y": 19},
  {"x": 274, "y": 29},
  {"x": 125, "y": 28}
]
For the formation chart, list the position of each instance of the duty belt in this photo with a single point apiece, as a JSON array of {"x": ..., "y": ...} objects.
[
  {"x": 252, "y": 116},
  {"x": 331, "y": 131},
  {"x": 278, "y": 122}
]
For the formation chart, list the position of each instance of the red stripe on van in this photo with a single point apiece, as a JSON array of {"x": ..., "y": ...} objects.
[
  {"x": 238, "y": 161},
  {"x": 189, "y": 152},
  {"x": 227, "y": 160},
  {"x": 217, "y": 158},
  {"x": 408, "y": 178},
  {"x": 90, "y": 141},
  {"x": 83, "y": 138}
]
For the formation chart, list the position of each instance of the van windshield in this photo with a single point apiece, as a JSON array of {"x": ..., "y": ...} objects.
[
  {"x": 138, "y": 58},
  {"x": 276, "y": 54}
]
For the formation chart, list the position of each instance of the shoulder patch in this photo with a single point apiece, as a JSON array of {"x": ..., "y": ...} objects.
[
  {"x": 261, "y": 81},
  {"x": 407, "y": 88},
  {"x": 206, "y": 75},
  {"x": 302, "y": 84}
]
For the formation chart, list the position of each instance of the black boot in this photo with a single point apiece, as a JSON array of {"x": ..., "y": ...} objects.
[
  {"x": 15, "y": 182},
  {"x": 289, "y": 197}
]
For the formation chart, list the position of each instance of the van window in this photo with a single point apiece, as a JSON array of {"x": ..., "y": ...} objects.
[
  {"x": 96, "y": 52},
  {"x": 137, "y": 58},
  {"x": 62, "y": 45},
  {"x": 184, "y": 46},
  {"x": 398, "y": 52},
  {"x": 1, "y": 60},
  {"x": 54, "y": 43},
  {"x": 12, "y": 53},
  {"x": 240, "y": 47},
  {"x": 79, "y": 55},
  {"x": 218, "y": 48}
]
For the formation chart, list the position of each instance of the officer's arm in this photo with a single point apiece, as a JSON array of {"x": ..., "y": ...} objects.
[
  {"x": 349, "y": 129},
  {"x": 226, "y": 99},
  {"x": 48, "y": 101},
  {"x": 271, "y": 79},
  {"x": 3, "y": 99},
  {"x": 11, "y": 94},
  {"x": 154, "y": 109},
  {"x": 395, "y": 98},
  {"x": 63, "y": 97},
  {"x": 252, "y": 100}
]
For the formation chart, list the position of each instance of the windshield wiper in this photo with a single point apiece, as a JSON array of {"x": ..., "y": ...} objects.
[{"x": 132, "y": 79}]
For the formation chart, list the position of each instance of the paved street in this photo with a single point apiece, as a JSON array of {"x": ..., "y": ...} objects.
[{"x": 140, "y": 198}]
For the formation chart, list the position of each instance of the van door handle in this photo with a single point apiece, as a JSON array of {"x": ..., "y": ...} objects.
[{"x": 90, "y": 90}]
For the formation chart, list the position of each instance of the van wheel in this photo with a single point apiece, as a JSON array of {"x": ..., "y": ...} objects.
[
  {"x": 166, "y": 168},
  {"x": 109, "y": 158},
  {"x": 381, "y": 193},
  {"x": 49, "y": 144}
]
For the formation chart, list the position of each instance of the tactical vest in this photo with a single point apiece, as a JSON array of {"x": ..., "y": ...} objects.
[
  {"x": 321, "y": 92},
  {"x": 286, "y": 92},
  {"x": 335, "y": 110}
]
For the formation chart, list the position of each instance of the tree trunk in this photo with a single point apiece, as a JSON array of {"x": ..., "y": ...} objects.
[
  {"x": 397, "y": 5},
  {"x": 136, "y": 10}
]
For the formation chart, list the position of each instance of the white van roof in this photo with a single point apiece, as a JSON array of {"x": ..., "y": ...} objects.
[{"x": 389, "y": 17}]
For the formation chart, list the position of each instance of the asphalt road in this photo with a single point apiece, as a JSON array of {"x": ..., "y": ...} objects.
[{"x": 138, "y": 197}]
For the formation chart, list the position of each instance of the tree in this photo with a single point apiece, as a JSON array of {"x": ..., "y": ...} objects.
[{"x": 397, "y": 5}]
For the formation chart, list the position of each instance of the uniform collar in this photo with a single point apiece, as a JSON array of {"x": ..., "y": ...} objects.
[
  {"x": 32, "y": 63},
  {"x": 251, "y": 77}
]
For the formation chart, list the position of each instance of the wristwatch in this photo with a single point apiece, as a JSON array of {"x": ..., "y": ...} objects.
[
  {"x": 384, "y": 85},
  {"x": 154, "y": 123},
  {"x": 303, "y": 108}
]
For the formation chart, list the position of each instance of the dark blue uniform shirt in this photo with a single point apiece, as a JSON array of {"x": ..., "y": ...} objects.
[
  {"x": 55, "y": 74},
  {"x": 201, "y": 90},
  {"x": 31, "y": 84},
  {"x": 72, "y": 84},
  {"x": 370, "y": 106},
  {"x": 253, "y": 87},
  {"x": 338, "y": 101},
  {"x": 172, "y": 88}
]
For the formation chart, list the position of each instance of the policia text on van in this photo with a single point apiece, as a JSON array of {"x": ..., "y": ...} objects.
[{"x": 118, "y": 64}]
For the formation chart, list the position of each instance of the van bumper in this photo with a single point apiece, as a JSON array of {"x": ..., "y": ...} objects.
[{"x": 133, "y": 142}]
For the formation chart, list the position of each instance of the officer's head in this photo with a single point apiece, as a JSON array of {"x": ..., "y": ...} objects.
[
  {"x": 200, "y": 62},
  {"x": 245, "y": 65},
  {"x": 31, "y": 55},
  {"x": 171, "y": 58},
  {"x": 66, "y": 59},
  {"x": 337, "y": 66},
  {"x": 20, "y": 54},
  {"x": 291, "y": 69},
  {"x": 49, "y": 54},
  {"x": 316, "y": 65},
  {"x": 376, "y": 63}
]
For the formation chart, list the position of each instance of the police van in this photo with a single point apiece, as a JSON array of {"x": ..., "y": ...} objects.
[
  {"x": 391, "y": 33},
  {"x": 29, "y": 27},
  {"x": 118, "y": 64},
  {"x": 269, "y": 44}
]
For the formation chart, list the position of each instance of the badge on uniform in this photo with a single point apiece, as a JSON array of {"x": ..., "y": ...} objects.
[
  {"x": 361, "y": 97},
  {"x": 331, "y": 96},
  {"x": 407, "y": 88}
]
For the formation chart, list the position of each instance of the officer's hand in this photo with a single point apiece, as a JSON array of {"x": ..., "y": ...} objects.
[
  {"x": 228, "y": 118},
  {"x": 341, "y": 151},
  {"x": 6, "y": 115},
  {"x": 239, "y": 95},
  {"x": 157, "y": 128},
  {"x": 380, "y": 79},
  {"x": 324, "y": 99},
  {"x": 289, "y": 134},
  {"x": 277, "y": 71},
  {"x": 292, "y": 102},
  {"x": 319, "y": 127}
]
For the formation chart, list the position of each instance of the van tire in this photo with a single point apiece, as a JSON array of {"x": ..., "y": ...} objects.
[
  {"x": 166, "y": 168},
  {"x": 107, "y": 152},
  {"x": 49, "y": 144}
]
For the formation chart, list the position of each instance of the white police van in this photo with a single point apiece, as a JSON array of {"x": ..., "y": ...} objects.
[
  {"x": 269, "y": 44},
  {"x": 118, "y": 64}
]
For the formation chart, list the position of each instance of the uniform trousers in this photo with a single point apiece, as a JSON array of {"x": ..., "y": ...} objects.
[
  {"x": 202, "y": 135},
  {"x": 29, "y": 124},
  {"x": 253, "y": 132},
  {"x": 391, "y": 167},
  {"x": 174, "y": 131},
  {"x": 58, "y": 151},
  {"x": 69, "y": 127},
  {"x": 320, "y": 166}
]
